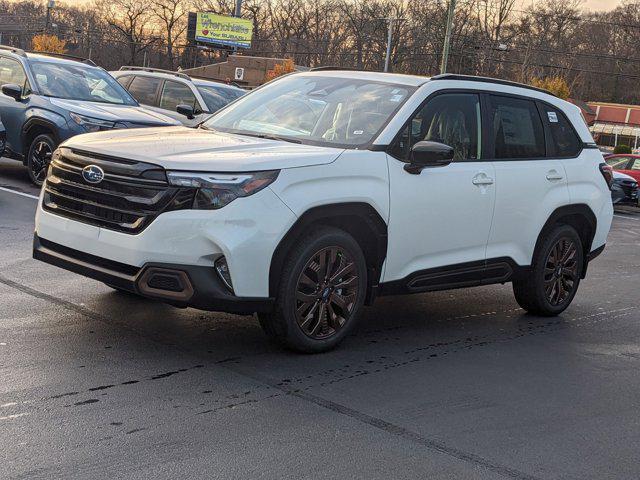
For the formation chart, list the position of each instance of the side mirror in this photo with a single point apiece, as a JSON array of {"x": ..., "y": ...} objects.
[
  {"x": 186, "y": 110},
  {"x": 427, "y": 154},
  {"x": 12, "y": 90}
]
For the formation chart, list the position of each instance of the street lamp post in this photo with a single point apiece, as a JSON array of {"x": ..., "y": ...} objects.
[
  {"x": 447, "y": 36},
  {"x": 389, "y": 37}
]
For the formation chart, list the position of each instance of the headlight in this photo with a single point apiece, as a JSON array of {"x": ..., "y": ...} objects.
[
  {"x": 91, "y": 124},
  {"x": 215, "y": 190}
]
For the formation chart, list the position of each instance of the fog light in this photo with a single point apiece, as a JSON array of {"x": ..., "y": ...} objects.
[{"x": 223, "y": 272}]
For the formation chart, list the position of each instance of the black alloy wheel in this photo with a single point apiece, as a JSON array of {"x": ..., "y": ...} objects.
[
  {"x": 321, "y": 292},
  {"x": 561, "y": 271},
  {"x": 549, "y": 287},
  {"x": 326, "y": 292},
  {"x": 40, "y": 153}
]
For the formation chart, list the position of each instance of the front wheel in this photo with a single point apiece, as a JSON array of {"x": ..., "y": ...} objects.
[
  {"x": 39, "y": 156},
  {"x": 553, "y": 282},
  {"x": 322, "y": 290}
]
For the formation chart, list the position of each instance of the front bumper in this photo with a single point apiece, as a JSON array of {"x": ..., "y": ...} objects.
[
  {"x": 179, "y": 285},
  {"x": 246, "y": 232}
]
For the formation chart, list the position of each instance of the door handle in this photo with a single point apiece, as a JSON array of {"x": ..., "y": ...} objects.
[
  {"x": 553, "y": 175},
  {"x": 482, "y": 179}
]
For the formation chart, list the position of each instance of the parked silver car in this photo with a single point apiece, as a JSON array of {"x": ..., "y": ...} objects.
[{"x": 187, "y": 99}]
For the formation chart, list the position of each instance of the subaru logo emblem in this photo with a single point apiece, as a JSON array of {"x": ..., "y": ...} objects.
[{"x": 93, "y": 174}]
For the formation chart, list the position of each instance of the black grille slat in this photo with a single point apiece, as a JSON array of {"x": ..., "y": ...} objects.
[{"x": 128, "y": 199}]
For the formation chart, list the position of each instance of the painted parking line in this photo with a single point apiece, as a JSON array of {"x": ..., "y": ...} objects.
[
  {"x": 627, "y": 217},
  {"x": 11, "y": 417},
  {"x": 22, "y": 194}
]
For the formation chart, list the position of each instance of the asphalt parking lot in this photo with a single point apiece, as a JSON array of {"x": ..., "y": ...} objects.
[{"x": 458, "y": 384}]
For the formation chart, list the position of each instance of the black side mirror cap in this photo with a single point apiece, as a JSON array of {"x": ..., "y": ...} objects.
[
  {"x": 186, "y": 110},
  {"x": 12, "y": 90},
  {"x": 426, "y": 154}
]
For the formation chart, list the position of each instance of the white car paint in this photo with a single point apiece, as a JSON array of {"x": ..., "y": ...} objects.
[{"x": 440, "y": 217}]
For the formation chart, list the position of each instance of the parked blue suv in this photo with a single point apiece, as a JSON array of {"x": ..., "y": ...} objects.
[{"x": 48, "y": 98}]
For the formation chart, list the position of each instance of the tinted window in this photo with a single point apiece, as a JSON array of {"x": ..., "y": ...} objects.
[
  {"x": 218, "y": 97},
  {"x": 452, "y": 119},
  {"x": 174, "y": 94},
  {"x": 124, "y": 80},
  {"x": 145, "y": 89},
  {"x": 517, "y": 128},
  {"x": 11, "y": 72},
  {"x": 565, "y": 140}
]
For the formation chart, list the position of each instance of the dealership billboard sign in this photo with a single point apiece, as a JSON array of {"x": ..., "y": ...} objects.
[{"x": 220, "y": 30}]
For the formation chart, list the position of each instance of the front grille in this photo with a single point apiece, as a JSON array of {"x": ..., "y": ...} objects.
[{"x": 131, "y": 195}]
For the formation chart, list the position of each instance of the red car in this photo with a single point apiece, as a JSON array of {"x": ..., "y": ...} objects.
[{"x": 627, "y": 164}]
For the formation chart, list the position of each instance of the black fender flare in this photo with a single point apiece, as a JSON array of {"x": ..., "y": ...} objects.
[
  {"x": 570, "y": 214},
  {"x": 359, "y": 219}
]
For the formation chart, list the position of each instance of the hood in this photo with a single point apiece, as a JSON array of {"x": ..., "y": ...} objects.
[
  {"x": 113, "y": 112},
  {"x": 182, "y": 148}
]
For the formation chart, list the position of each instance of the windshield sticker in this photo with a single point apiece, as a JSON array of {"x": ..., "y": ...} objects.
[
  {"x": 396, "y": 98},
  {"x": 358, "y": 132},
  {"x": 553, "y": 117}
]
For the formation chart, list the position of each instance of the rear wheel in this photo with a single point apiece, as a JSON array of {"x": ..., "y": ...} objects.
[
  {"x": 549, "y": 289},
  {"x": 322, "y": 290},
  {"x": 39, "y": 156}
]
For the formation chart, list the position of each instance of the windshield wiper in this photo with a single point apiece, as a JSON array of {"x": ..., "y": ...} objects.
[{"x": 268, "y": 136}]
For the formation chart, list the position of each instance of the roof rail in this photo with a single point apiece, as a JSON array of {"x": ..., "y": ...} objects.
[
  {"x": 87, "y": 61},
  {"x": 472, "y": 78},
  {"x": 214, "y": 80},
  {"x": 156, "y": 70},
  {"x": 17, "y": 51}
]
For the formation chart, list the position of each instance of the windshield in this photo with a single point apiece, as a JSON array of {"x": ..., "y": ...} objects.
[
  {"x": 78, "y": 82},
  {"x": 331, "y": 111},
  {"x": 218, "y": 97}
]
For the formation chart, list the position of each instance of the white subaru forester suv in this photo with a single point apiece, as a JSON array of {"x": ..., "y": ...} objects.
[{"x": 314, "y": 194}]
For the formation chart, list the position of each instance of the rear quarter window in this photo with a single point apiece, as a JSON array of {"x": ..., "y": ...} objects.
[{"x": 563, "y": 136}]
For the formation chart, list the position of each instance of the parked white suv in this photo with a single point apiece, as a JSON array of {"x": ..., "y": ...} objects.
[{"x": 312, "y": 195}]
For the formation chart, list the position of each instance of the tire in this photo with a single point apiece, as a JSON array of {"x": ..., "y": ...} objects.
[
  {"x": 555, "y": 277},
  {"x": 314, "y": 312},
  {"x": 39, "y": 156}
]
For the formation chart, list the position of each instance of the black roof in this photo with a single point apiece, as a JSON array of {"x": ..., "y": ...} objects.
[{"x": 499, "y": 81}]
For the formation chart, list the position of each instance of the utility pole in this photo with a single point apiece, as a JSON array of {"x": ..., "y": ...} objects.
[
  {"x": 389, "y": 34},
  {"x": 237, "y": 13},
  {"x": 447, "y": 36}
]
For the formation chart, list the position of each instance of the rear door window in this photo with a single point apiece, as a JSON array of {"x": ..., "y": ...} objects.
[
  {"x": 564, "y": 138},
  {"x": 517, "y": 128},
  {"x": 145, "y": 89}
]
